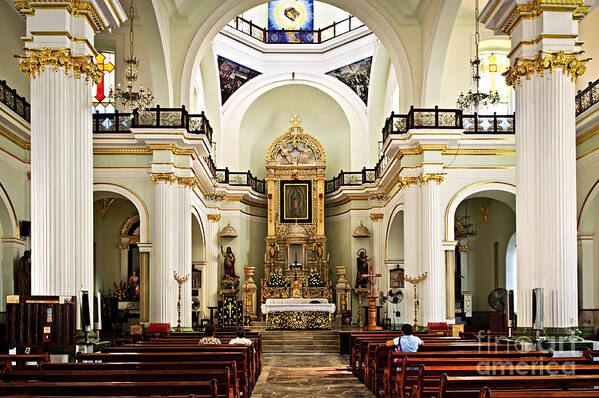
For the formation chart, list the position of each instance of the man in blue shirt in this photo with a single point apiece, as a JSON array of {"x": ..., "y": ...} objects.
[{"x": 407, "y": 342}]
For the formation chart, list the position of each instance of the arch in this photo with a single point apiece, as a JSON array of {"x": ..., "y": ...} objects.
[
  {"x": 142, "y": 210},
  {"x": 237, "y": 105},
  {"x": 11, "y": 214},
  {"x": 464, "y": 194},
  {"x": 398, "y": 207},
  {"x": 586, "y": 204},
  {"x": 196, "y": 214},
  {"x": 373, "y": 17}
]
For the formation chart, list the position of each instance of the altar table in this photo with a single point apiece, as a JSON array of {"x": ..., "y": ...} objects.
[{"x": 298, "y": 313}]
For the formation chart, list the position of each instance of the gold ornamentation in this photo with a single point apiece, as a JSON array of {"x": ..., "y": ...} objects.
[
  {"x": 39, "y": 59},
  {"x": 534, "y": 8},
  {"x": 77, "y": 8},
  {"x": 215, "y": 197},
  {"x": 163, "y": 177},
  {"x": 295, "y": 147},
  {"x": 361, "y": 231},
  {"x": 188, "y": 181},
  {"x": 129, "y": 222},
  {"x": 376, "y": 216},
  {"x": 298, "y": 320},
  {"x": 526, "y": 67},
  {"x": 228, "y": 231},
  {"x": 214, "y": 217},
  {"x": 407, "y": 181},
  {"x": 426, "y": 178}
]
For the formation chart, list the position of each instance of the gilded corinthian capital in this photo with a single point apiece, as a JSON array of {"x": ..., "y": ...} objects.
[
  {"x": 568, "y": 62},
  {"x": 78, "y": 65}
]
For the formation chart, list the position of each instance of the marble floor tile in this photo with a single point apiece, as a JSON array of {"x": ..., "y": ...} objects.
[{"x": 308, "y": 376}]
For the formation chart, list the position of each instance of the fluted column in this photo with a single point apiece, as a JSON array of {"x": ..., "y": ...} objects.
[
  {"x": 545, "y": 62},
  {"x": 432, "y": 296},
  {"x": 411, "y": 235},
  {"x": 378, "y": 256},
  {"x": 184, "y": 265},
  {"x": 212, "y": 260}
]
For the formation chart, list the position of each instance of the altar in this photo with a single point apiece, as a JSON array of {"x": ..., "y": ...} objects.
[{"x": 298, "y": 313}]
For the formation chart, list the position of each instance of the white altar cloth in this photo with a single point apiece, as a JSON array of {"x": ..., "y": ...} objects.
[{"x": 297, "y": 305}]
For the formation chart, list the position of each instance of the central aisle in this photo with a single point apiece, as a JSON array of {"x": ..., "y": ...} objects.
[{"x": 301, "y": 376}]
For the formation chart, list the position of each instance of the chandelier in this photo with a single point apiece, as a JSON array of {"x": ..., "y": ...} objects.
[
  {"x": 472, "y": 100},
  {"x": 128, "y": 100},
  {"x": 464, "y": 229}
]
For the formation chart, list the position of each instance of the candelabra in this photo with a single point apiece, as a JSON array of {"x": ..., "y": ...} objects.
[
  {"x": 416, "y": 281},
  {"x": 180, "y": 281}
]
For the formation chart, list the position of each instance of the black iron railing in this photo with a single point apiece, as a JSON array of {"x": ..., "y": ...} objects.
[
  {"x": 211, "y": 165},
  {"x": 152, "y": 118},
  {"x": 285, "y": 36},
  {"x": 587, "y": 98},
  {"x": 435, "y": 118},
  {"x": 241, "y": 179},
  {"x": 349, "y": 178},
  {"x": 18, "y": 104}
]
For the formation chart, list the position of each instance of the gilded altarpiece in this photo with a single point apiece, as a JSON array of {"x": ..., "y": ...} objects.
[{"x": 296, "y": 263}]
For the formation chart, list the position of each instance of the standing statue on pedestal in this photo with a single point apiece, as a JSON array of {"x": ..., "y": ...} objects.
[
  {"x": 362, "y": 263},
  {"x": 24, "y": 274},
  {"x": 229, "y": 264},
  {"x": 133, "y": 285}
]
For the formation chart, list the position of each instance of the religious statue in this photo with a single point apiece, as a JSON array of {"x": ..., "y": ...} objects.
[
  {"x": 133, "y": 285},
  {"x": 229, "y": 264},
  {"x": 362, "y": 263},
  {"x": 24, "y": 274}
]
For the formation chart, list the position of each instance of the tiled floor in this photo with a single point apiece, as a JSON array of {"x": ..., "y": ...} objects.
[{"x": 308, "y": 376}]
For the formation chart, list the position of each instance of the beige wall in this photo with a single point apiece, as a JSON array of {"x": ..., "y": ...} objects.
[
  {"x": 12, "y": 28},
  {"x": 499, "y": 227},
  {"x": 589, "y": 34},
  {"x": 268, "y": 117},
  {"x": 395, "y": 238}
]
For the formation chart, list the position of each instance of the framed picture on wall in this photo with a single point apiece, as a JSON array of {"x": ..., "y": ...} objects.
[
  {"x": 396, "y": 278},
  {"x": 296, "y": 201}
]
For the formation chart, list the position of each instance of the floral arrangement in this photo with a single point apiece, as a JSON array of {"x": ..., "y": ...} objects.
[
  {"x": 277, "y": 280},
  {"x": 120, "y": 292},
  {"x": 314, "y": 280}
]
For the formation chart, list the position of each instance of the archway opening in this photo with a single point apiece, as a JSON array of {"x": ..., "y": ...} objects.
[
  {"x": 117, "y": 260},
  {"x": 198, "y": 277},
  {"x": 394, "y": 266}
]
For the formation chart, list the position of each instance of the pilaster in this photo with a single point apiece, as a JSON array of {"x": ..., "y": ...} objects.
[{"x": 212, "y": 263}]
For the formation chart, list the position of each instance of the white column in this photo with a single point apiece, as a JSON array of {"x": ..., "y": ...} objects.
[
  {"x": 378, "y": 255},
  {"x": 432, "y": 296},
  {"x": 184, "y": 264},
  {"x": 544, "y": 68},
  {"x": 411, "y": 241},
  {"x": 12, "y": 250},
  {"x": 212, "y": 260}
]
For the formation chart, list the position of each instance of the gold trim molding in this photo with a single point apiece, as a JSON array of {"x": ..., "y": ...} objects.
[
  {"x": 534, "y": 8},
  {"x": 77, "y": 8},
  {"x": 426, "y": 178},
  {"x": 407, "y": 181},
  {"x": 39, "y": 59},
  {"x": 188, "y": 181},
  {"x": 376, "y": 216},
  {"x": 568, "y": 62},
  {"x": 213, "y": 217}
]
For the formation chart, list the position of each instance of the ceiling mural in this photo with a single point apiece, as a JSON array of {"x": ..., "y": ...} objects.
[
  {"x": 232, "y": 76},
  {"x": 291, "y": 15},
  {"x": 355, "y": 75}
]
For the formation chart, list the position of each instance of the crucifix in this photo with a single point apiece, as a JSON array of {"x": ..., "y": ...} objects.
[
  {"x": 416, "y": 281},
  {"x": 372, "y": 302}
]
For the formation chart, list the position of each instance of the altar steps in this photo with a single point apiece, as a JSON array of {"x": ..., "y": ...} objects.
[{"x": 299, "y": 341}]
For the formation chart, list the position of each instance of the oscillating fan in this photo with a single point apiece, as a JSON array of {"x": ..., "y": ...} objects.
[
  {"x": 394, "y": 298},
  {"x": 497, "y": 299}
]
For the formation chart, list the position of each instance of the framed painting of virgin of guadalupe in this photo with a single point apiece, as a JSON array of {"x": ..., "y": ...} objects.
[{"x": 296, "y": 201}]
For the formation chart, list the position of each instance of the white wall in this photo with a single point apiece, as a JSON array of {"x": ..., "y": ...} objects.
[{"x": 12, "y": 28}]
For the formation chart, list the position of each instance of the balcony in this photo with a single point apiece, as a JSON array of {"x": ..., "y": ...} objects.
[
  {"x": 116, "y": 123},
  {"x": 16, "y": 103},
  {"x": 240, "y": 179},
  {"x": 588, "y": 97},
  {"x": 317, "y": 36},
  {"x": 448, "y": 119}
]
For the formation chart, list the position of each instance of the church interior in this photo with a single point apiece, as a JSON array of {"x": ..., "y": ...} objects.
[{"x": 241, "y": 198}]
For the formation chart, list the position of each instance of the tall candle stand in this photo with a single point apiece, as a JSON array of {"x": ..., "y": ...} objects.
[
  {"x": 180, "y": 281},
  {"x": 415, "y": 281}
]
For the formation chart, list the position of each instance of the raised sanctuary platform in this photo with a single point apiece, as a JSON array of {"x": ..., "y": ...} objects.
[{"x": 298, "y": 313}]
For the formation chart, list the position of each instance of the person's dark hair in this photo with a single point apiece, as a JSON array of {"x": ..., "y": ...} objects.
[
  {"x": 406, "y": 328},
  {"x": 240, "y": 332},
  {"x": 210, "y": 330}
]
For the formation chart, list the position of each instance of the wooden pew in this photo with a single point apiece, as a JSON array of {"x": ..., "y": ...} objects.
[
  {"x": 239, "y": 357},
  {"x": 222, "y": 376},
  {"x": 198, "y": 389},
  {"x": 469, "y": 386},
  {"x": 486, "y": 393},
  {"x": 19, "y": 361},
  {"x": 126, "y": 366}
]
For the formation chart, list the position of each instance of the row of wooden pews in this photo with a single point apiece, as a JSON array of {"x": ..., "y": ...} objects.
[
  {"x": 462, "y": 367},
  {"x": 166, "y": 365}
]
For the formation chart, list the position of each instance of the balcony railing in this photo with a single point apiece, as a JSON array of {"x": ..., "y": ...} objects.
[
  {"x": 285, "y": 36},
  {"x": 349, "y": 178},
  {"x": 241, "y": 179},
  {"x": 436, "y": 118},
  {"x": 18, "y": 104},
  {"x": 158, "y": 117},
  {"x": 587, "y": 98}
]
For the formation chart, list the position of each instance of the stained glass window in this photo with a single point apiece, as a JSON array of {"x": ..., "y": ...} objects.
[
  {"x": 101, "y": 101},
  {"x": 493, "y": 65}
]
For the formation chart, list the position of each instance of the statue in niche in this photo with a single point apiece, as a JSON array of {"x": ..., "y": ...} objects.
[
  {"x": 362, "y": 263},
  {"x": 24, "y": 274},
  {"x": 229, "y": 264},
  {"x": 133, "y": 285}
]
